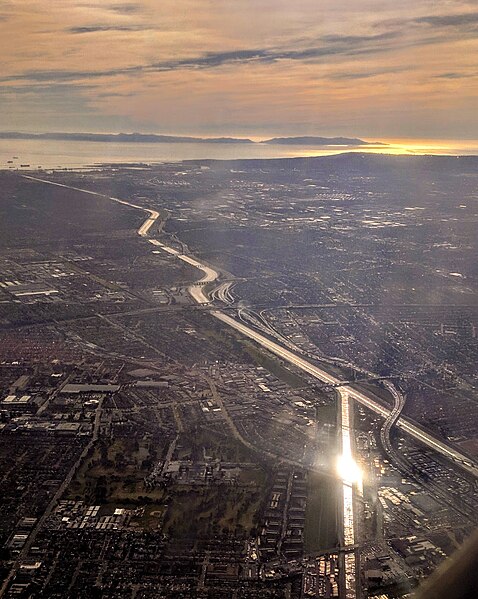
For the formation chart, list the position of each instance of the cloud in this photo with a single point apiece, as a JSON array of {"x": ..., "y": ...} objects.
[
  {"x": 456, "y": 20},
  {"x": 98, "y": 28},
  {"x": 345, "y": 76},
  {"x": 330, "y": 46},
  {"x": 57, "y": 89},
  {"x": 63, "y": 76},
  {"x": 336, "y": 45},
  {"x": 465, "y": 22},
  {"x": 455, "y": 75},
  {"x": 125, "y": 8}
]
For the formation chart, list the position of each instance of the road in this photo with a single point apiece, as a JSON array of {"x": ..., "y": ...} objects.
[
  {"x": 145, "y": 227},
  {"x": 406, "y": 466},
  {"x": 275, "y": 457},
  {"x": 196, "y": 290},
  {"x": 223, "y": 292},
  {"x": 54, "y": 501},
  {"x": 392, "y": 418},
  {"x": 409, "y": 427}
]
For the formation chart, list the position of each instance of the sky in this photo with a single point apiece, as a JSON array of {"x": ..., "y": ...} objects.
[{"x": 377, "y": 69}]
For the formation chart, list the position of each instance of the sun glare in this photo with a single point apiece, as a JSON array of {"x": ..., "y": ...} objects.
[{"x": 348, "y": 470}]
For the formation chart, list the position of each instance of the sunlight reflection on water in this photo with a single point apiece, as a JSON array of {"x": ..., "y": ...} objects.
[{"x": 77, "y": 154}]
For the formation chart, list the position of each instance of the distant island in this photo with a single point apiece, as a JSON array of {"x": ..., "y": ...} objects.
[
  {"x": 121, "y": 137},
  {"x": 154, "y": 138},
  {"x": 320, "y": 141}
]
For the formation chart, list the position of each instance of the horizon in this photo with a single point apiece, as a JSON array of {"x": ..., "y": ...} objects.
[
  {"x": 231, "y": 135},
  {"x": 216, "y": 150}
]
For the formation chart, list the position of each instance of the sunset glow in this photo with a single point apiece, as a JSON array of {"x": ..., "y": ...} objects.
[{"x": 372, "y": 69}]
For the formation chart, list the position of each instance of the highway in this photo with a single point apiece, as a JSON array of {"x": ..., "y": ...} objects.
[
  {"x": 145, "y": 227},
  {"x": 196, "y": 290},
  {"x": 409, "y": 427},
  {"x": 392, "y": 418},
  {"x": 223, "y": 292},
  {"x": 398, "y": 458}
]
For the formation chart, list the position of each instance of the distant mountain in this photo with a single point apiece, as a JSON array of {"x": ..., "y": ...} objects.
[
  {"x": 123, "y": 137},
  {"x": 319, "y": 141},
  {"x": 154, "y": 138}
]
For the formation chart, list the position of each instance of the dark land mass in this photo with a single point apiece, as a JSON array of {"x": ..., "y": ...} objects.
[
  {"x": 121, "y": 137},
  {"x": 310, "y": 140},
  {"x": 153, "y": 138}
]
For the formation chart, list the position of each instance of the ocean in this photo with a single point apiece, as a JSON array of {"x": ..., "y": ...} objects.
[{"x": 53, "y": 154}]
